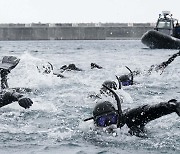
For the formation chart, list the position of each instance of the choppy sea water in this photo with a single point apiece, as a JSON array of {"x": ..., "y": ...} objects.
[{"x": 54, "y": 124}]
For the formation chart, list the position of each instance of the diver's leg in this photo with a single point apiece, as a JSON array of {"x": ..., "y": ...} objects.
[{"x": 4, "y": 83}]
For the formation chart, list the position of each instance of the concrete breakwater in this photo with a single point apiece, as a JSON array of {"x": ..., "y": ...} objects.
[{"x": 83, "y": 31}]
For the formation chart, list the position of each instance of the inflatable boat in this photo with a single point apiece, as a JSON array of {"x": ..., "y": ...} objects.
[{"x": 166, "y": 34}]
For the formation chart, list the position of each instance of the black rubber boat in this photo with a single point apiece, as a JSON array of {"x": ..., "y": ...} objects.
[
  {"x": 158, "y": 40},
  {"x": 166, "y": 34}
]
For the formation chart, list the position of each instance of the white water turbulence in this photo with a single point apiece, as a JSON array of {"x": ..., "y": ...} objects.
[{"x": 54, "y": 123}]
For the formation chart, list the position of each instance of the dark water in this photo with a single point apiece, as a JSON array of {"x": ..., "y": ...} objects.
[{"x": 54, "y": 124}]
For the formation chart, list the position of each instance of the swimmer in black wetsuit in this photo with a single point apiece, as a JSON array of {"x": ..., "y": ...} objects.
[
  {"x": 70, "y": 67},
  {"x": 106, "y": 116},
  {"x": 126, "y": 80},
  {"x": 94, "y": 65},
  {"x": 7, "y": 95},
  {"x": 73, "y": 67}
]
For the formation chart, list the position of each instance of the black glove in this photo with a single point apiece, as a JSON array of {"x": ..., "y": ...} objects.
[{"x": 25, "y": 102}]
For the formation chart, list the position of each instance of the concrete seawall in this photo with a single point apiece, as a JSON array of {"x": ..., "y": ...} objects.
[{"x": 72, "y": 32}]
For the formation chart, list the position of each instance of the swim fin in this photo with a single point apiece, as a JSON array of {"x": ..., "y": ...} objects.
[{"x": 9, "y": 62}]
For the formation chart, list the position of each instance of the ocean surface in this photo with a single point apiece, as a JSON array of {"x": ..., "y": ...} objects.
[{"x": 54, "y": 124}]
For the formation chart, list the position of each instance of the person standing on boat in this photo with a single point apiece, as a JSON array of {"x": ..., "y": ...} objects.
[{"x": 176, "y": 31}]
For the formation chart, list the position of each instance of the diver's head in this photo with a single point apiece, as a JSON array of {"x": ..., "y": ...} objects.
[
  {"x": 72, "y": 66},
  {"x": 124, "y": 80},
  {"x": 103, "y": 108},
  {"x": 109, "y": 84},
  {"x": 105, "y": 114},
  {"x": 93, "y": 65}
]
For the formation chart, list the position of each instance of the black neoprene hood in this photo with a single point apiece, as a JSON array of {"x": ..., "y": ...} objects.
[{"x": 102, "y": 108}]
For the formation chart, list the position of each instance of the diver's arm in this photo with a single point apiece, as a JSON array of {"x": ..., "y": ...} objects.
[
  {"x": 134, "y": 73},
  {"x": 9, "y": 97},
  {"x": 164, "y": 64},
  {"x": 59, "y": 75},
  {"x": 140, "y": 116}
]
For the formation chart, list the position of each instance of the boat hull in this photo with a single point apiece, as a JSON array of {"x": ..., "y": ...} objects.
[{"x": 158, "y": 40}]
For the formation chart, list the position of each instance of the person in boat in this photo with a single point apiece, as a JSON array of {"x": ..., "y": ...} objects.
[
  {"x": 128, "y": 79},
  {"x": 8, "y": 95},
  {"x": 105, "y": 115},
  {"x": 176, "y": 31},
  {"x": 177, "y": 24}
]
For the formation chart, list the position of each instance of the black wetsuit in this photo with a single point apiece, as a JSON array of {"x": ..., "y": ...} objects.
[
  {"x": 138, "y": 117},
  {"x": 135, "y": 118},
  {"x": 8, "y": 96},
  {"x": 94, "y": 65},
  {"x": 70, "y": 67},
  {"x": 164, "y": 64},
  {"x": 127, "y": 80},
  {"x": 157, "y": 68},
  {"x": 4, "y": 83}
]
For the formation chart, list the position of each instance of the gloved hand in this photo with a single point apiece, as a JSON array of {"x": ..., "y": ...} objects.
[
  {"x": 25, "y": 102},
  {"x": 176, "y": 104}
]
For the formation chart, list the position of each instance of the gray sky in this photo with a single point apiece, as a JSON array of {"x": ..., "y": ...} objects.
[{"x": 78, "y": 11}]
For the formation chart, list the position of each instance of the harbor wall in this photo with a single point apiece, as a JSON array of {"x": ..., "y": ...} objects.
[{"x": 73, "y": 31}]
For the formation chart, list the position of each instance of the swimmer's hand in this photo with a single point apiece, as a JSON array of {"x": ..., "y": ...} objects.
[{"x": 25, "y": 102}]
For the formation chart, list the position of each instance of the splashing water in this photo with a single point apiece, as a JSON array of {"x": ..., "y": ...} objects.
[{"x": 54, "y": 124}]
